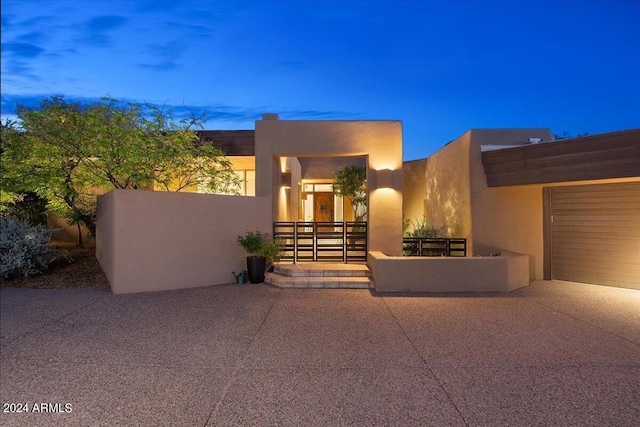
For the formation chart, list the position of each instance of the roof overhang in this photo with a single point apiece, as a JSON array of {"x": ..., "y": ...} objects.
[{"x": 603, "y": 156}]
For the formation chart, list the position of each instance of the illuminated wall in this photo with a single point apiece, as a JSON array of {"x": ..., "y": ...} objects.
[
  {"x": 448, "y": 193},
  {"x": 288, "y": 193},
  {"x": 414, "y": 184},
  {"x": 379, "y": 141},
  {"x": 491, "y": 219}
]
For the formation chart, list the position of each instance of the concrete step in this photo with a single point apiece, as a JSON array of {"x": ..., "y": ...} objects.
[
  {"x": 320, "y": 275},
  {"x": 318, "y": 282},
  {"x": 322, "y": 270}
]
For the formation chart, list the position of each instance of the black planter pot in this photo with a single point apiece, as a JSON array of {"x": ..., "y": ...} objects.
[{"x": 256, "y": 267}]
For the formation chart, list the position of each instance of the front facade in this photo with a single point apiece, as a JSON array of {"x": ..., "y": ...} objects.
[{"x": 508, "y": 192}]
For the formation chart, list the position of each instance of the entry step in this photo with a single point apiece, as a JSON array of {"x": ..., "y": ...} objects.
[{"x": 321, "y": 275}]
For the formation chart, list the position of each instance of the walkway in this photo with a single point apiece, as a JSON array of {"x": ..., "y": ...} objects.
[{"x": 551, "y": 354}]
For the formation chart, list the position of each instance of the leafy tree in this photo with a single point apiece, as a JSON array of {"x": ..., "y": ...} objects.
[
  {"x": 37, "y": 158},
  {"x": 27, "y": 206},
  {"x": 350, "y": 182},
  {"x": 68, "y": 152},
  {"x": 567, "y": 135}
]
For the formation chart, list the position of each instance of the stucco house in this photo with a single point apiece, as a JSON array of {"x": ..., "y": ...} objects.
[
  {"x": 152, "y": 240},
  {"x": 572, "y": 205}
]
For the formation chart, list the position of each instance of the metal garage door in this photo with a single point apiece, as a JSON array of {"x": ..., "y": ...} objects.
[{"x": 595, "y": 234}]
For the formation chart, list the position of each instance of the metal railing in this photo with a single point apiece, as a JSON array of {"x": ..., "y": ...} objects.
[
  {"x": 424, "y": 246},
  {"x": 322, "y": 241}
]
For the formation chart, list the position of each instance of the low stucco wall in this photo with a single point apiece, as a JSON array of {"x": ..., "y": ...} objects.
[
  {"x": 152, "y": 241},
  {"x": 503, "y": 273}
]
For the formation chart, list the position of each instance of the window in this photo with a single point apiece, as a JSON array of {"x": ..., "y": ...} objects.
[{"x": 247, "y": 186}]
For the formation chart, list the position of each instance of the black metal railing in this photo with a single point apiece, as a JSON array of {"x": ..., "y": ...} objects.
[
  {"x": 322, "y": 241},
  {"x": 427, "y": 246}
]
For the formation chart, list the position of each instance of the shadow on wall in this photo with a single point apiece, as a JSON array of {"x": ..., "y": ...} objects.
[
  {"x": 66, "y": 232},
  {"x": 446, "y": 208}
]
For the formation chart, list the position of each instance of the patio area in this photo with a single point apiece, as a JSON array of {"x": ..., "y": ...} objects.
[{"x": 553, "y": 353}]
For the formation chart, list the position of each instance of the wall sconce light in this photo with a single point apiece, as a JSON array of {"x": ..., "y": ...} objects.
[
  {"x": 286, "y": 179},
  {"x": 384, "y": 178}
]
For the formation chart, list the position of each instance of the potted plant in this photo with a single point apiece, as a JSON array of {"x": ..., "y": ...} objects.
[{"x": 261, "y": 248}]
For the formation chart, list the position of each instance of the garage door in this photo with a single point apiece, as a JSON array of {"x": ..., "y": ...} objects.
[{"x": 595, "y": 234}]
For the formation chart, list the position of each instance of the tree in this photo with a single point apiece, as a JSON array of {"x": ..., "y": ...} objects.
[
  {"x": 350, "y": 182},
  {"x": 567, "y": 135},
  {"x": 37, "y": 158},
  {"x": 22, "y": 181},
  {"x": 68, "y": 152}
]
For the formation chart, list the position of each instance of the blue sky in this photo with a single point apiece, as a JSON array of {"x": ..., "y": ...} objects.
[{"x": 442, "y": 67}]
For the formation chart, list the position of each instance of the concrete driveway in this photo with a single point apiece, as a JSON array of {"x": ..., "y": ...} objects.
[{"x": 551, "y": 354}]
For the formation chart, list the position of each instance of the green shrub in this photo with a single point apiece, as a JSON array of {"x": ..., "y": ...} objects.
[
  {"x": 272, "y": 250},
  {"x": 251, "y": 242},
  {"x": 419, "y": 228},
  {"x": 27, "y": 206},
  {"x": 261, "y": 245},
  {"x": 24, "y": 248}
]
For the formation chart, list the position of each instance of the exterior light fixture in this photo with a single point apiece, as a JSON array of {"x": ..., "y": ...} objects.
[
  {"x": 384, "y": 178},
  {"x": 286, "y": 180}
]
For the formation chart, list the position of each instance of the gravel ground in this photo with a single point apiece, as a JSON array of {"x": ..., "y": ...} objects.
[{"x": 81, "y": 270}]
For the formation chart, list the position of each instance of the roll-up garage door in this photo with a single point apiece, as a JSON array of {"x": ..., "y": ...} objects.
[{"x": 595, "y": 234}]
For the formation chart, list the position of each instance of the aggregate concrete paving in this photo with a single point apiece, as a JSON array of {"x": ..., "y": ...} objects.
[{"x": 553, "y": 353}]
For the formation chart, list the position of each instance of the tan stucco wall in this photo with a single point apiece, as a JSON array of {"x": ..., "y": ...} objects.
[
  {"x": 380, "y": 141},
  {"x": 151, "y": 241},
  {"x": 414, "y": 184},
  {"x": 506, "y": 218},
  {"x": 491, "y": 219},
  {"x": 448, "y": 193},
  {"x": 449, "y": 274}
]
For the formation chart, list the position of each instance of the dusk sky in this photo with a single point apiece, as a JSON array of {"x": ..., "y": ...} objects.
[{"x": 441, "y": 67}]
